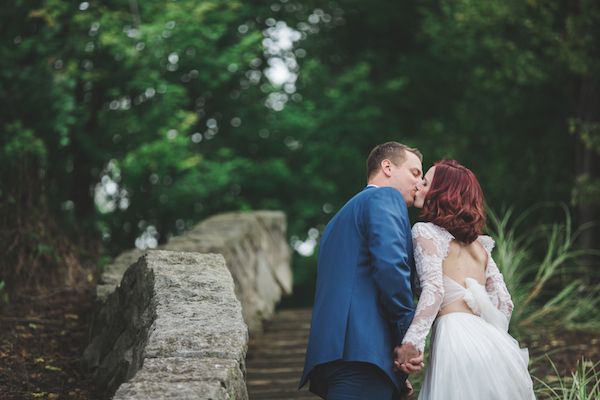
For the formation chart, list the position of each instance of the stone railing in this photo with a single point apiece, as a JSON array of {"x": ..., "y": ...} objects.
[{"x": 176, "y": 314}]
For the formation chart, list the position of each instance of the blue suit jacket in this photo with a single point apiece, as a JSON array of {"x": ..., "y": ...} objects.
[{"x": 364, "y": 301}]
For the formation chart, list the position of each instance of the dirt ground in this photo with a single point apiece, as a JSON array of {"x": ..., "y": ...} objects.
[
  {"x": 563, "y": 348},
  {"x": 43, "y": 337}
]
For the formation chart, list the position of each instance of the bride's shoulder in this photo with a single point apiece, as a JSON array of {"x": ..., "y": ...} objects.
[
  {"x": 421, "y": 227},
  {"x": 429, "y": 230},
  {"x": 487, "y": 242}
]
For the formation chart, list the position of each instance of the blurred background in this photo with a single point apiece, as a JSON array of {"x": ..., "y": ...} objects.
[{"x": 124, "y": 123}]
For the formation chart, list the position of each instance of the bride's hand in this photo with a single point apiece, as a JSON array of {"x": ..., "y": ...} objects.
[{"x": 408, "y": 359}]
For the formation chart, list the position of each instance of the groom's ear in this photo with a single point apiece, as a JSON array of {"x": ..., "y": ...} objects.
[{"x": 386, "y": 167}]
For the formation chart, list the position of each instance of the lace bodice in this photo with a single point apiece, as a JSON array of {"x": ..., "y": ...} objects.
[{"x": 431, "y": 244}]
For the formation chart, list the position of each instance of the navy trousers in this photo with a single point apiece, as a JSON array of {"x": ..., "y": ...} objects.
[{"x": 344, "y": 380}]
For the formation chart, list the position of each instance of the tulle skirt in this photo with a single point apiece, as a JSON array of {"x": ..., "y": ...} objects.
[{"x": 472, "y": 360}]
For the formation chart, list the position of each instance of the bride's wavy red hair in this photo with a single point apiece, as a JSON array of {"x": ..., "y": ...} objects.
[{"x": 455, "y": 201}]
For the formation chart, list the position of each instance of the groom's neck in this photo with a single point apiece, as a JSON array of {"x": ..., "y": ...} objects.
[{"x": 377, "y": 182}]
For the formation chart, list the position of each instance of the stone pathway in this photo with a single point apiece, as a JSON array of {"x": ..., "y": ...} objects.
[{"x": 275, "y": 359}]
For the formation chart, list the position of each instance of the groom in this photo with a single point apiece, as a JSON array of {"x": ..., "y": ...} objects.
[{"x": 364, "y": 302}]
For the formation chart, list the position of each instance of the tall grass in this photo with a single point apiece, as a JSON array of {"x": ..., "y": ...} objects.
[
  {"x": 542, "y": 270},
  {"x": 583, "y": 384}
]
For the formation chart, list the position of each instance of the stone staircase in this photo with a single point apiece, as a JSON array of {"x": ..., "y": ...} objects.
[{"x": 275, "y": 359}]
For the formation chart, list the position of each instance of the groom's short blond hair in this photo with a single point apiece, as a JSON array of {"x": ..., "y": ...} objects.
[{"x": 393, "y": 151}]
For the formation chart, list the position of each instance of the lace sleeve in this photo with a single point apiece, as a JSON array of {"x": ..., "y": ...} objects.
[
  {"x": 430, "y": 250},
  {"x": 494, "y": 283}
]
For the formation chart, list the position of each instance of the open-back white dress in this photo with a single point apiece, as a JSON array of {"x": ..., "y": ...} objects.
[{"x": 472, "y": 355}]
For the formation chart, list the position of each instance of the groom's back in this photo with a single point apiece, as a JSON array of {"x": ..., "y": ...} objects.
[
  {"x": 343, "y": 247},
  {"x": 344, "y": 236},
  {"x": 348, "y": 321}
]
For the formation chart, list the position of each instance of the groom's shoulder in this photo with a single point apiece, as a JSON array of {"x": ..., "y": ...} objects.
[
  {"x": 383, "y": 193},
  {"x": 384, "y": 198},
  {"x": 371, "y": 193}
]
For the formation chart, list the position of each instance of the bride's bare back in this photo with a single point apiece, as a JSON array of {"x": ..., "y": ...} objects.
[{"x": 464, "y": 261}]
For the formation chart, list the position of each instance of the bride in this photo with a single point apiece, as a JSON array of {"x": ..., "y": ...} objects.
[{"x": 463, "y": 296}]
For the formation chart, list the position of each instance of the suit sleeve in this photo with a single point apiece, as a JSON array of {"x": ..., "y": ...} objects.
[{"x": 387, "y": 227}]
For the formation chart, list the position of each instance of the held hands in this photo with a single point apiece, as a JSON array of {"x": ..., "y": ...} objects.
[{"x": 408, "y": 359}]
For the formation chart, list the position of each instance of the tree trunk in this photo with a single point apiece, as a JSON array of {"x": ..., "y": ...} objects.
[
  {"x": 84, "y": 155},
  {"x": 588, "y": 164}
]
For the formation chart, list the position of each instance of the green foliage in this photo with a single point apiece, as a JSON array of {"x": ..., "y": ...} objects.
[
  {"x": 3, "y": 294},
  {"x": 580, "y": 52},
  {"x": 21, "y": 144},
  {"x": 589, "y": 132},
  {"x": 550, "y": 290},
  {"x": 477, "y": 81},
  {"x": 586, "y": 190},
  {"x": 165, "y": 102},
  {"x": 583, "y": 384}
]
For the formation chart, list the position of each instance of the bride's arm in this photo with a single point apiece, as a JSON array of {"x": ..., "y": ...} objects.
[
  {"x": 496, "y": 288},
  {"x": 494, "y": 282},
  {"x": 429, "y": 255}
]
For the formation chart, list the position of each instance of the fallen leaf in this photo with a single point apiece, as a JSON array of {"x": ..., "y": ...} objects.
[{"x": 52, "y": 368}]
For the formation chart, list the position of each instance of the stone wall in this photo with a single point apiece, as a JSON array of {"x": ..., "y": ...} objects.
[
  {"x": 176, "y": 313},
  {"x": 255, "y": 248}
]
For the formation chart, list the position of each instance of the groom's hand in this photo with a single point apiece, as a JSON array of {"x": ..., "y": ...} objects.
[
  {"x": 413, "y": 365},
  {"x": 408, "y": 390},
  {"x": 408, "y": 359}
]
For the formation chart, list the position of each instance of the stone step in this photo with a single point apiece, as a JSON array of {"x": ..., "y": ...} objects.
[
  {"x": 279, "y": 337},
  {"x": 297, "y": 363},
  {"x": 275, "y": 359},
  {"x": 286, "y": 327},
  {"x": 281, "y": 394},
  {"x": 293, "y": 314},
  {"x": 278, "y": 343},
  {"x": 291, "y": 335},
  {"x": 262, "y": 352},
  {"x": 271, "y": 373},
  {"x": 258, "y": 361},
  {"x": 273, "y": 382}
]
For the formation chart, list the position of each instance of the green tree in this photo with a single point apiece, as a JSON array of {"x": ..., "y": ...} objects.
[
  {"x": 96, "y": 91},
  {"x": 131, "y": 119}
]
